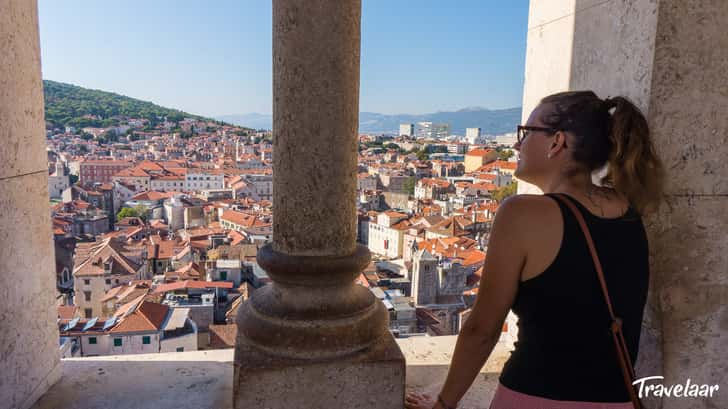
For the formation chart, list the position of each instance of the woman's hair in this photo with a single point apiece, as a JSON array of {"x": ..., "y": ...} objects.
[{"x": 621, "y": 138}]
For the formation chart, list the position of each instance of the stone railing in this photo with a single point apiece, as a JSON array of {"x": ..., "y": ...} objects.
[{"x": 204, "y": 379}]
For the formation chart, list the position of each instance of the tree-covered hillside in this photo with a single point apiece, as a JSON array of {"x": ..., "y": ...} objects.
[{"x": 70, "y": 105}]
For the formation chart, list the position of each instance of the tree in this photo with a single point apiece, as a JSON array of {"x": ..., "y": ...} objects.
[
  {"x": 393, "y": 146},
  {"x": 409, "y": 185},
  {"x": 423, "y": 155},
  {"x": 127, "y": 212},
  {"x": 73, "y": 179},
  {"x": 502, "y": 193},
  {"x": 505, "y": 154}
]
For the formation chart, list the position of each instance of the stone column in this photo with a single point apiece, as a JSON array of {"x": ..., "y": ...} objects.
[
  {"x": 313, "y": 337},
  {"x": 689, "y": 237},
  {"x": 29, "y": 336}
]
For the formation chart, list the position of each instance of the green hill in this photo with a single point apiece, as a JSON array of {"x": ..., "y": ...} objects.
[{"x": 66, "y": 105}]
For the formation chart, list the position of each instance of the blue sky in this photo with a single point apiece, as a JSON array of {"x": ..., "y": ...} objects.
[{"x": 214, "y": 58}]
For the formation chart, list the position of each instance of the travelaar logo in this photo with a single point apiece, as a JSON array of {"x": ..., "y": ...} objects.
[{"x": 677, "y": 391}]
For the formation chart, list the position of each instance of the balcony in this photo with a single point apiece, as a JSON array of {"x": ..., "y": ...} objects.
[{"x": 204, "y": 379}]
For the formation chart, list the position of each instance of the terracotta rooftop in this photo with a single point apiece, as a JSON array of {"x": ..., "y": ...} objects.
[{"x": 147, "y": 316}]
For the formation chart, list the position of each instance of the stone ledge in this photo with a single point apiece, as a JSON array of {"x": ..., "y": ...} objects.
[
  {"x": 204, "y": 379},
  {"x": 428, "y": 359},
  {"x": 194, "y": 380}
]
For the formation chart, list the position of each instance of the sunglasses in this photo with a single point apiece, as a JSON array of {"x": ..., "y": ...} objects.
[{"x": 523, "y": 131}]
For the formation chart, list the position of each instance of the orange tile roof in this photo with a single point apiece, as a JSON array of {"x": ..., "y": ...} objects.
[
  {"x": 104, "y": 162},
  {"x": 150, "y": 195},
  {"x": 505, "y": 164},
  {"x": 392, "y": 213},
  {"x": 243, "y": 219},
  {"x": 484, "y": 186},
  {"x": 147, "y": 316},
  {"x": 434, "y": 182},
  {"x": 89, "y": 258},
  {"x": 67, "y": 311},
  {"x": 479, "y": 152},
  {"x": 132, "y": 173},
  {"x": 149, "y": 165},
  {"x": 191, "y": 271},
  {"x": 163, "y": 249}
]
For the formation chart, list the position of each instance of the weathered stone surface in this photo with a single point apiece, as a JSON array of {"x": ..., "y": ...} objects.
[
  {"x": 613, "y": 48},
  {"x": 174, "y": 380},
  {"x": 204, "y": 379},
  {"x": 428, "y": 360},
  {"x": 690, "y": 243},
  {"x": 22, "y": 127},
  {"x": 373, "y": 378},
  {"x": 690, "y": 94},
  {"x": 548, "y": 58},
  {"x": 313, "y": 309},
  {"x": 29, "y": 337},
  {"x": 316, "y": 47}
]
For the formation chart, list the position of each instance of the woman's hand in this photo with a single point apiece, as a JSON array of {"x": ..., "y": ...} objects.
[{"x": 415, "y": 400}]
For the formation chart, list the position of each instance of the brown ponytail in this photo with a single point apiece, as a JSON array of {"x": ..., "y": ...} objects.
[
  {"x": 621, "y": 139},
  {"x": 635, "y": 170}
]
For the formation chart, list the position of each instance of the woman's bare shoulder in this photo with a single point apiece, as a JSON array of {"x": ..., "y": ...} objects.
[
  {"x": 530, "y": 208},
  {"x": 530, "y": 203}
]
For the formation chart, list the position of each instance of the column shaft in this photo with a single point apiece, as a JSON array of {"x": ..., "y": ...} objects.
[
  {"x": 29, "y": 336},
  {"x": 316, "y": 48}
]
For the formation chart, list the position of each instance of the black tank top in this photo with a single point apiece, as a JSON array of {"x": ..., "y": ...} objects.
[{"x": 564, "y": 349}]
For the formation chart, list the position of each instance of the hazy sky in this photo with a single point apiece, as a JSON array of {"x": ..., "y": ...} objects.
[{"x": 214, "y": 58}]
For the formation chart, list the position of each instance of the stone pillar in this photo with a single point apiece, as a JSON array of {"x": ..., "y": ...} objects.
[
  {"x": 669, "y": 58},
  {"x": 689, "y": 237},
  {"x": 28, "y": 335},
  {"x": 313, "y": 338}
]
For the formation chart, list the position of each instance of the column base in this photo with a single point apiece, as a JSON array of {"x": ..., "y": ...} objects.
[{"x": 372, "y": 378}]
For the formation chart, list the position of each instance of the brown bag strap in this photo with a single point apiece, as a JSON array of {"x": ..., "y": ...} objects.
[{"x": 622, "y": 352}]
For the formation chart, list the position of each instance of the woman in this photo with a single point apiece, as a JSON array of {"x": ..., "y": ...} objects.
[{"x": 539, "y": 265}]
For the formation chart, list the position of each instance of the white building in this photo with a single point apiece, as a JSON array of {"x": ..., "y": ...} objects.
[
  {"x": 261, "y": 184},
  {"x": 58, "y": 181},
  {"x": 174, "y": 213},
  {"x": 167, "y": 183},
  {"x": 431, "y": 130},
  {"x": 138, "y": 327},
  {"x": 386, "y": 236},
  {"x": 226, "y": 270},
  {"x": 508, "y": 139},
  {"x": 473, "y": 135},
  {"x": 407, "y": 130},
  {"x": 198, "y": 179}
]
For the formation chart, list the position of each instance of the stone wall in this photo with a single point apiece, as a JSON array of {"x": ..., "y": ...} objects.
[
  {"x": 689, "y": 238},
  {"x": 29, "y": 349}
]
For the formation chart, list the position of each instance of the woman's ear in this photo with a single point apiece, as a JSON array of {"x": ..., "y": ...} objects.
[{"x": 560, "y": 139}]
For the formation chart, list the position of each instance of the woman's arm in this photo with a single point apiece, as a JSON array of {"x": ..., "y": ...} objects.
[{"x": 505, "y": 258}]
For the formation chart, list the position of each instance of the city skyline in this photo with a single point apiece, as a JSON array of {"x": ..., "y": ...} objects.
[{"x": 216, "y": 60}]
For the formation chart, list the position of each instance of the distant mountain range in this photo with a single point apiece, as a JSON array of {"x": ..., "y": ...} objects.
[{"x": 491, "y": 121}]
